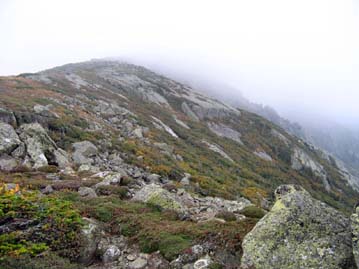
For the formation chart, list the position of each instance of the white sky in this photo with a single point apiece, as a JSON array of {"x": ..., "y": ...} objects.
[{"x": 300, "y": 56}]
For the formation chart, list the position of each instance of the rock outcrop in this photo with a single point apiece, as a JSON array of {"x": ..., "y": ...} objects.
[
  {"x": 225, "y": 131},
  {"x": 299, "y": 232},
  {"x": 301, "y": 160}
]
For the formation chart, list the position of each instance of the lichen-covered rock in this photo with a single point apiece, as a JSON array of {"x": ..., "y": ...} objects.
[
  {"x": 202, "y": 263},
  {"x": 83, "y": 151},
  {"x": 355, "y": 233},
  {"x": 299, "y": 232},
  {"x": 45, "y": 111},
  {"x": 88, "y": 168},
  {"x": 9, "y": 140},
  {"x": 7, "y": 116},
  {"x": 111, "y": 254},
  {"x": 156, "y": 195},
  {"x": 139, "y": 263},
  {"x": 61, "y": 158},
  {"x": 87, "y": 192},
  {"x": 110, "y": 248},
  {"x": 91, "y": 236},
  {"x": 7, "y": 163},
  {"x": 37, "y": 143},
  {"x": 41, "y": 149},
  {"x": 111, "y": 179}
]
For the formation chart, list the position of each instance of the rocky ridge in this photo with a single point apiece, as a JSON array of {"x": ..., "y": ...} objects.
[{"x": 149, "y": 163}]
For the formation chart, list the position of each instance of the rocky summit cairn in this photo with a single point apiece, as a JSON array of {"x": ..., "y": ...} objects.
[
  {"x": 299, "y": 232},
  {"x": 355, "y": 233}
]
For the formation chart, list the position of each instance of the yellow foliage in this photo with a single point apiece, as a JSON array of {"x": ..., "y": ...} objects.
[{"x": 5, "y": 190}]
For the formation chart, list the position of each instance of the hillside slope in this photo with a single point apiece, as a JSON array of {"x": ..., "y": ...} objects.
[{"x": 118, "y": 143}]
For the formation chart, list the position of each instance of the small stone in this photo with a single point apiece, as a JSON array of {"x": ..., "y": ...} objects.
[
  {"x": 48, "y": 190},
  {"x": 111, "y": 254},
  {"x": 138, "y": 133},
  {"x": 68, "y": 171},
  {"x": 87, "y": 192},
  {"x": 53, "y": 176},
  {"x": 137, "y": 174},
  {"x": 197, "y": 249},
  {"x": 88, "y": 168},
  {"x": 202, "y": 263},
  {"x": 139, "y": 263},
  {"x": 186, "y": 179},
  {"x": 111, "y": 179},
  {"x": 131, "y": 257},
  {"x": 153, "y": 178}
]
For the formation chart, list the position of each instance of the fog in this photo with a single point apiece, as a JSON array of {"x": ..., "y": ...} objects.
[{"x": 299, "y": 56}]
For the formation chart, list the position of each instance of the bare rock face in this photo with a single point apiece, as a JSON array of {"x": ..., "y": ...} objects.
[
  {"x": 225, "y": 131},
  {"x": 301, "y": 160},
  {"x": 299, "y": 232}
]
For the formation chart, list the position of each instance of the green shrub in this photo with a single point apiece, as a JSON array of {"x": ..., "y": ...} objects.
[
  {"x": 253, "y": 212},
  {"x": 49, "y": 260},
  {"x": 125, "y": 181},
  {"x": 119, "y": 191},
  {"x": 215, "y": 266},
  {"x": 48, "y": 169},
  {"x": 72, "y": 185},
  {"x": 54, "y": 223},
  {"x": 169, "y": 245},
  {"x": 104, "y": 212},
  {"x": 226, "y": 215}
]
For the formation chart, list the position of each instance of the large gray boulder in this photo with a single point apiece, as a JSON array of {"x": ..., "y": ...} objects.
[
  {"x": 83, "y": 151},
  {"x": 299, "y": 232},
  {"x": 9, "y": 140},
  {"x": 40, "y": 147},
  {"x": 37, "y": 142},
  {"x": 355, "y": 233}
]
